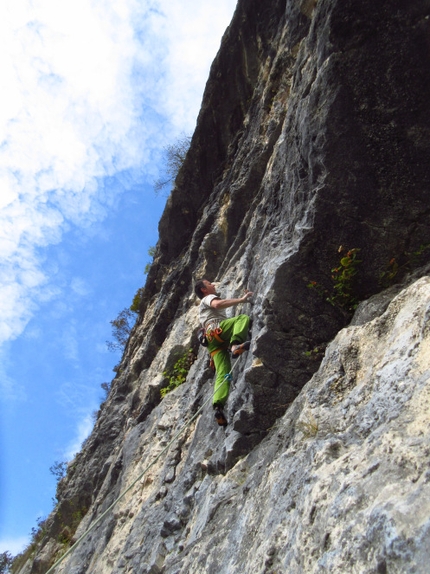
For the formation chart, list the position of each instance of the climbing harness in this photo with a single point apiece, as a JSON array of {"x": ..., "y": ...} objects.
[
  {"x": 201, "y": 336},
  {"x": 206, "y": 335},
  {"x": 227, "y": 377},
  {"x": 215, "y": 333},
  {"x": 212, "y": 334}
]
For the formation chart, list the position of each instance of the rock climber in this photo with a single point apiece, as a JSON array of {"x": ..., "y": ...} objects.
[{"x": 224, "y": 336}]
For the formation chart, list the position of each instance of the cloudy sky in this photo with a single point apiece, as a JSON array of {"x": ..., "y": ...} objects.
[{"x": 91, "y": 92}]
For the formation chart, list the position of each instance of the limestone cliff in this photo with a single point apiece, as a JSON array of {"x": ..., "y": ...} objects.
[{"x": 312, "y": 142}]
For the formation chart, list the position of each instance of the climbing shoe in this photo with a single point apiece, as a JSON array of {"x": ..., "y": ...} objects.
[
  {"x": 220, "y": 417},
  {"x": 237, "y": 350}
]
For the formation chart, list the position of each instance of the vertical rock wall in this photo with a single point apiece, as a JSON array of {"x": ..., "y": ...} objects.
[{"x": 314, "y": 134}]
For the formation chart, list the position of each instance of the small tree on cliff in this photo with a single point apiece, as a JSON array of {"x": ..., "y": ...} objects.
[
  {"x": 121, "y": 328},
  {"x": 175, "y": 154}
]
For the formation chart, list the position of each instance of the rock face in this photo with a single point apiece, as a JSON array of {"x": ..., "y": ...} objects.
[{"x": 311, "y": 149}]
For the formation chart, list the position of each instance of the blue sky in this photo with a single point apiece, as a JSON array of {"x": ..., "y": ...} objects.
[{"x": 91, "y": 92}]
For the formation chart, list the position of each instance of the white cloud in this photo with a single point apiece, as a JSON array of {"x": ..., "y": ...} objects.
[
  {"x": 84, "y": 85},
  {"x": 33, "y": 333},
  {"x": 85, "y": 426},
  {"x": 63, "y": 81},
  {"x": 9, "y": 389},
  {"x": 14, "y": 545},
  {"x": 80, "y": 287},
  {"x": 190, "y": 54},
  {"x": 73, "y": 396},
  {"x": 69, "y": 343}
]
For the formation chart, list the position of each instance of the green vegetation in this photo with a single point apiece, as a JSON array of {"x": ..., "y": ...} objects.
[
  {"x": 106, "y": 387},
  {"x": 65, "y": 538},
  {"x": 343, "y": 277},
  {"x": 66, "y": 535},
  {"x": 342, "y": 295},
  {"x": 386, "y": 278},
  {"x": 151, "y": 253},
  {"x": 415, "y": 257},
  {"x": 316, "y": 353},
  {"x": 58, "y": 469},
  {"x": 96, "y": 413},
  {"x": 137, "y": 300},
  {"x": 178, "y": 373},
  {"x": 121, "y": 328},
  {"x": 174, "y": 157},
  {"x": 393, "y": 269},
  {"x": 124, "y": 322},
  {"x": 5, "y": 562},
  {"x": 36, "y": 536}
]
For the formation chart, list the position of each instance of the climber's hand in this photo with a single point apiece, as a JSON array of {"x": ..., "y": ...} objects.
[{"x": 247, "y": 296}]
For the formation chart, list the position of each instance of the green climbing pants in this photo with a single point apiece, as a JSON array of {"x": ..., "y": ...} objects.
[{"x": 234, "y": 330}]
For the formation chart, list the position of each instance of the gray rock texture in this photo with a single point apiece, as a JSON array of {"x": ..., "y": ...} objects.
[{"x": 312, "y": 141}]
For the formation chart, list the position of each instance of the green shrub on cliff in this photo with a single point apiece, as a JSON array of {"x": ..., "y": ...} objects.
[
  {"x": 178, "y": 373},
  {"x": 137, "y": 299},
  {"x": 343, "y": 293}
]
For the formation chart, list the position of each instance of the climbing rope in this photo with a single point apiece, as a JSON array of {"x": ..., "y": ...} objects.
[{"x": 227, "y": 378}]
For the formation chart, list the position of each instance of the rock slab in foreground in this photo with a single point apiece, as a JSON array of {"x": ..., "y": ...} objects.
[{"x": 343, "y": 482}]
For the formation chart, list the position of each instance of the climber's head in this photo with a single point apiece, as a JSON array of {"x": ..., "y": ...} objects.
[{"x": 204, "y": 287}]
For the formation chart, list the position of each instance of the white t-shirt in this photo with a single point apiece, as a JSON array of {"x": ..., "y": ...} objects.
[{"x": 209, "y": 315}]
